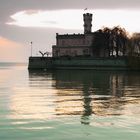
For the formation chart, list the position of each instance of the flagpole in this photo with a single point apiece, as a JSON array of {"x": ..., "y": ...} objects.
[{"x": 85, "y": 9}]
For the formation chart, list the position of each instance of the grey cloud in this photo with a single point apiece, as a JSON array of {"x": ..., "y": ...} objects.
[
  {"x": 66, "y": 4},
  {"x": 30, "y": 12},
  {"x": 9, "y": 7}
]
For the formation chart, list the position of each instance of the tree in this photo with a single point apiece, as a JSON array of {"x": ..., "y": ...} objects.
[
  {"x": 108, "y": 43},
  {"x": 101, "y": 44},
  {"x": 134, "y": 47},
  {"x": 120, "y": 37},
  {"x": 111, "y": 41}
]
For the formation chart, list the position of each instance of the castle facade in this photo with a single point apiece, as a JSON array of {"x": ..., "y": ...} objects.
[{"x": 75, "y": 44}]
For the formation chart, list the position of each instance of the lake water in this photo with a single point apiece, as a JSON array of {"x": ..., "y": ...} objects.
[{"x": 68, "y": 105}]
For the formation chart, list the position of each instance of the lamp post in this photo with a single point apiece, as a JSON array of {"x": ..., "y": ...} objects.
[{"x": 31, "y": 48}]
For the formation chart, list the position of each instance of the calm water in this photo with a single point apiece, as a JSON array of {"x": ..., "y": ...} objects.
[{"x": 68, "y": 105}]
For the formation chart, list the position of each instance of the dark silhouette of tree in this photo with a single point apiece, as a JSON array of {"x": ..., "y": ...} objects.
[
  {"x": 110, "y": 42},
  {"x": 99, "y": 42},
  {"x": 120, "y": 39},
  {"x": 107, "y": 35},
  {"x": 134, "y": 45}
]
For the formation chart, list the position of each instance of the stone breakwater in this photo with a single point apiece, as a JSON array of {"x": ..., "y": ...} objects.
[{"x": 84, "y": 63}]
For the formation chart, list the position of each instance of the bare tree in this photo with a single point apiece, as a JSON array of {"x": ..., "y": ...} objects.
[{"x": 135, "y": 44}]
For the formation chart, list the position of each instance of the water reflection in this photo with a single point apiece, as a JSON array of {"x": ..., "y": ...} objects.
[{"x": 88, "y": 93}]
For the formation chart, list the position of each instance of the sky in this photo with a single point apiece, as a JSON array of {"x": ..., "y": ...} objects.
[{"x": 38, "y": 21}]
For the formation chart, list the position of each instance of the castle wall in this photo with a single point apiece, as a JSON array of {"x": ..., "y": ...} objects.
[
  {"x": 71, "y": 51},
  {"x": 71, "y": 42},
  {"x": 89, "y": 38},
  {"x": 74, "y": 40},
  {"x": 73, "y": 45}
]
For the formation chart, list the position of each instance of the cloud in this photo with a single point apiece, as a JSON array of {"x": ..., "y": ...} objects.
[
  {"x": 63, "y": 19},
  {"x": 68, "y": 4},
  {"x": 31, "y": 12},
  {"x": 8, "y": 7},
  {"x": 73, "y": 19}
]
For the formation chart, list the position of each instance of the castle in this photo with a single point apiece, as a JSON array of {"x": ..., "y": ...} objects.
[
  {"x": 92, "y": 56},
  {"x": 75, "y": 44}
]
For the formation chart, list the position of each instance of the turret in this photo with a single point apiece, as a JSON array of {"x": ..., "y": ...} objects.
[{"x": 87, "y": 22}]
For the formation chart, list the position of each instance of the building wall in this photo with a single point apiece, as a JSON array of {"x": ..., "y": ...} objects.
[
  {"x": 73, "y": 45},
  {"x": 71, "y": 42},
  {"x": 89, "y": 39},
  {"x": 74, "y": 40},
  {"x": 71, "y": 51}
]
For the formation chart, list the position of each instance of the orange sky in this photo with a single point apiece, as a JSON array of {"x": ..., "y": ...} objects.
[{"x": 10, "y": 51}]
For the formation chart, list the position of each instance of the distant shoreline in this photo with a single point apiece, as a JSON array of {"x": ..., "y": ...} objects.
[{"x": 13, "y": 63}]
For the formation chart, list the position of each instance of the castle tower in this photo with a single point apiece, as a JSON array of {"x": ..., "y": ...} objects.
[{"x": 87, "y": 22}]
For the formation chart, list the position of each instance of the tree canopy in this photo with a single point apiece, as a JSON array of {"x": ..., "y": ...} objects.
[
  {"x": 134, "y": 48},
  {"x": 110, "y": 41}
]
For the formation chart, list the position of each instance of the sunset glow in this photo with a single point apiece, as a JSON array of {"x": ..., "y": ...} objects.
[
  {"x": 10, "y": 50},
  {"x": 4, "y": 42}
]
